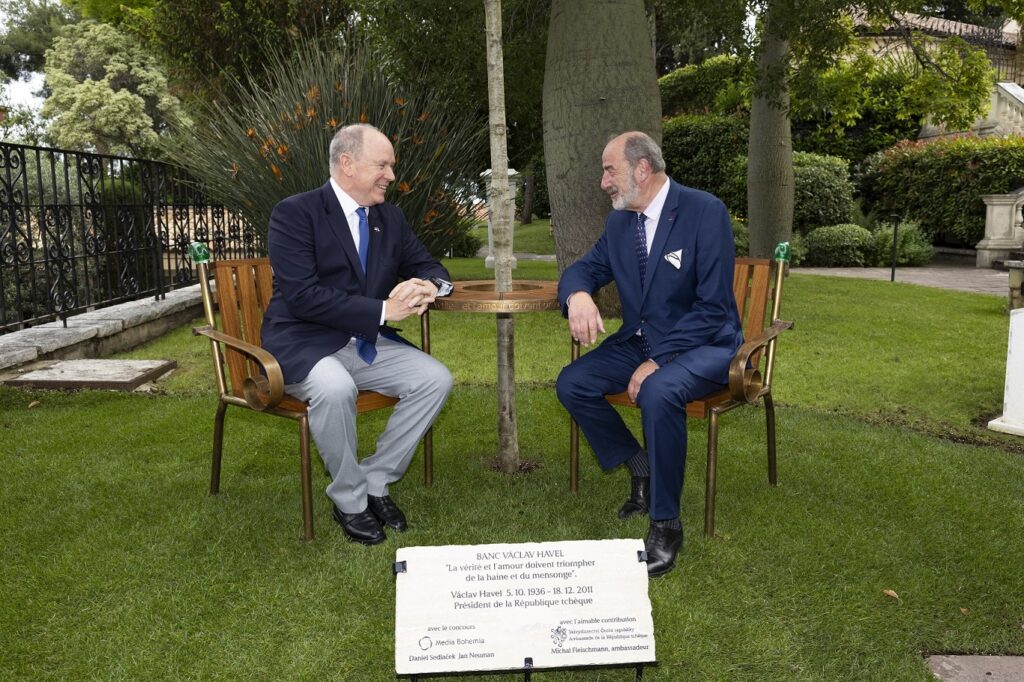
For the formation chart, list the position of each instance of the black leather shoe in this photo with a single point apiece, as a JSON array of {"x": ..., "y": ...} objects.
[
  {"x": 362, "y": 527},
  {"x": 639, "y": 497},
  {"x": 662, "y": 546},
  {"x": 387, "y": 512}
]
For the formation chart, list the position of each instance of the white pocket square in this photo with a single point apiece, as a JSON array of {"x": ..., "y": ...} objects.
[{"x": 675, "y": 258}]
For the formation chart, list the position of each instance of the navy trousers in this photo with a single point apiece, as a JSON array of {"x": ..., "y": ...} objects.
[{"x": 581, "y": 388}]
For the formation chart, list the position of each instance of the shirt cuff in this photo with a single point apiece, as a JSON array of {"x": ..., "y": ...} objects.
[{"x": 383, "y": 312}]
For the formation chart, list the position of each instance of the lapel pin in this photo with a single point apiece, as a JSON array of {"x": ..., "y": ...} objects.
[{"x": 376, "y": 229}]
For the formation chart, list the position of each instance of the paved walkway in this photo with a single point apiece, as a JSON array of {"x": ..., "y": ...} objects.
[{"x": 943, "y": 275}]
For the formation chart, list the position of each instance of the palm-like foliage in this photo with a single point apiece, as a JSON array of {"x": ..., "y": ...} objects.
[{"x": 272, "y": 142}]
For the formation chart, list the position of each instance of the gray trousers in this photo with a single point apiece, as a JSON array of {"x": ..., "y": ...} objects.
[{"x": 422, "y": 385}]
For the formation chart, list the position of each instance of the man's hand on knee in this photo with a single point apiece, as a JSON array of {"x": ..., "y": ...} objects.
[
  {"x": 584, "y": 318},
  {"x": 646, "y": 369}
]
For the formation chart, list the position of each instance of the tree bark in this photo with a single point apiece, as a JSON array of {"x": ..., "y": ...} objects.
[
  {"x": 526, "y": 214},
  {"x": 599, "y": 80},
  {"x": 502, "y": 208},
  {"x": 770, "y": 149}
]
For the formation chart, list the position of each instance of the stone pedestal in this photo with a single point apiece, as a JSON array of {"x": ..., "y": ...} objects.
[
  {"x": 1003, "y": 233},
  {"x": 513, "y": 181},
  {"x": 1012, "y": 420},
  {"x": 1016, "y": 280}
]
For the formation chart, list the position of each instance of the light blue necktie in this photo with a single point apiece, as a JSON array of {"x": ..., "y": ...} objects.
[{"x": 366, "y": 350}]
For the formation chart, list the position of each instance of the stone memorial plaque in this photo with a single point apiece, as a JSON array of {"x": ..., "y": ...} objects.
[{"x": 491, "y": 607}]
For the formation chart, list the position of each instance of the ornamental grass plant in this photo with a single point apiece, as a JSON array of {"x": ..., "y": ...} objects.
[
  {"x": 894, "y": 531},
  {"x": 272, "y": 141}
]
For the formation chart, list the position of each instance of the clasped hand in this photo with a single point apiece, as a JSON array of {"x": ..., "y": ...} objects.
[{"x": 409, "y": 297}]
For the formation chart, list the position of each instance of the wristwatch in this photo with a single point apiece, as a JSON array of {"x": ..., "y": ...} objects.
[{"x": 444, "y": 287}]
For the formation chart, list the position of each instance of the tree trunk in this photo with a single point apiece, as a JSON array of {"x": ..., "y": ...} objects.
[
  {"x": 501, "y": 207},
  {"x": 770, "y": 150},
  {"x": 529, "y": 183},
  {"x": 599, "y": 80}
]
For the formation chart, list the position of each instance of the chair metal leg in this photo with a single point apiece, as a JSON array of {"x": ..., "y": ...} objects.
[
  {"x": 307, "y": 483},
  {"x": 709, "y": 492},
  {"x": 574, "y": 456},
  {"x": 769, "y": 415},
  {"x": 428, "y": 457},
  {"x": 218, "y": 446}
]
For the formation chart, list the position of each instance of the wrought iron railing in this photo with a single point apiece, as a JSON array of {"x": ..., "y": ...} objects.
[{"x": 80, "y": 231}]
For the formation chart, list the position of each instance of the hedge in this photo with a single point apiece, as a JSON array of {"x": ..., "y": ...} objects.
[
  {"x": 939, "y": 184},
  {"x": 822, "y": 191},
  {"x": 693, "y": 88},
  {"x": 698, "y": 149},
  {"x": 838, "y": 246}
]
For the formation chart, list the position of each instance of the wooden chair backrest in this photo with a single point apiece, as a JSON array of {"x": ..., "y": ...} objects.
[
  {"x": 752, "y": 285},
  {"x": 243, "y": 292}
]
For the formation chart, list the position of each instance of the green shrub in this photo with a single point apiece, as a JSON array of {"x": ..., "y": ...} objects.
[
  {"x": 822, "y": 191},
  {"x": 939, "y": 184},
  {"x": 740, "y": 236},
  {"x": 698, "y": 149},
  {"x": 843, "y": 245},
  {"x": 912, "y": 247},
  {"x": 694, "y": 87}
]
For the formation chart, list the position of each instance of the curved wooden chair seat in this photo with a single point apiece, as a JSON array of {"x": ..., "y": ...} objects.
[
  {"x": 750, "y": 373},
  {"x": 250, "y": 377}
]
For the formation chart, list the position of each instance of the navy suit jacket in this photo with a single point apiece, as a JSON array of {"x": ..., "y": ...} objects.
[
  {"x": 321, "y": 296},
  {"x": 687, "y": 313}
]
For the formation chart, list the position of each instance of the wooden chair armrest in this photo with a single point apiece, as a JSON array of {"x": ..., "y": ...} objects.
[
  {"x": 746, "y": 383},
  {"x": 261, "y": 392}
]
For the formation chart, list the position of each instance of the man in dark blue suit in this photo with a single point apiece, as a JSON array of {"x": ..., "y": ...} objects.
[
  {"x": 669, "y": 249},
  {"x": 345, "y": 263}
]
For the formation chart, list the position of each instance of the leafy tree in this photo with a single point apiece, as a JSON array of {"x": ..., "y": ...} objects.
[
  {"x": 692, "y": 31},
  {"x": 18, "y": 123},
  {"x": 106, "y": 93},
  {"x": 208, "y": 45},
  {"x": 953, "y": 81},
  {"x": 109, "y": 11},
  {"x": 440, "y": 42},
  {"x": 31, "y": 27}
]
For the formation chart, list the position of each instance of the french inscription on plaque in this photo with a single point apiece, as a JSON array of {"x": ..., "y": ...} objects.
[{"x": 490, "y": 607}]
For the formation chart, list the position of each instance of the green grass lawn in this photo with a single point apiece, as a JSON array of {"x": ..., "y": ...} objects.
[
  {"x": 117, "y": 565},
  {"x": 533, "y": 238}
]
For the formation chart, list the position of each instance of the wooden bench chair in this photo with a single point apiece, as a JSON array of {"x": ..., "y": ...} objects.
[
  {"x": 750, "y": 373},
  {"x": 253, "y": 379}
]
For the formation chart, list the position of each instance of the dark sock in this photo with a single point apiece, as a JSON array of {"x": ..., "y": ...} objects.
[
  {"x": 637, "y": 464},
  {"x": 672, "y": 524}
]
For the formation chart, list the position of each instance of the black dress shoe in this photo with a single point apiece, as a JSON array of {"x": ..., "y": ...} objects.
[
  {"x": 387, "y": 512},
  {"x": 639, "y": 497},
  {"x": 362, "y": 527},
  {"x": 662, "y": 546}
]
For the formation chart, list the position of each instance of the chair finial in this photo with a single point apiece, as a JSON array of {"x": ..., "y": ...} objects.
[{"x": 199, "y": 253}]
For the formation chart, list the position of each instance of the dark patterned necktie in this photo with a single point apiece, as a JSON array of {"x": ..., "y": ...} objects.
[
  {"x": 641, "y": 259},
  {"x": 366, "y": 350}
]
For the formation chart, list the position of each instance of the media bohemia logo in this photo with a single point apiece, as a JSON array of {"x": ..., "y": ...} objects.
[{"x": 558, "y": 636}]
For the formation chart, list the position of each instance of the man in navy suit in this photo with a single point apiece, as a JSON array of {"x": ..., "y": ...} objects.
[
  {"x": 345, "y": 263},
  {"x": 669, "y": 249}
]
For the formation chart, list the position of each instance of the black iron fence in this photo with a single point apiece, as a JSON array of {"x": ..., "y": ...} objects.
[{"x": 80, "y": 231}]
